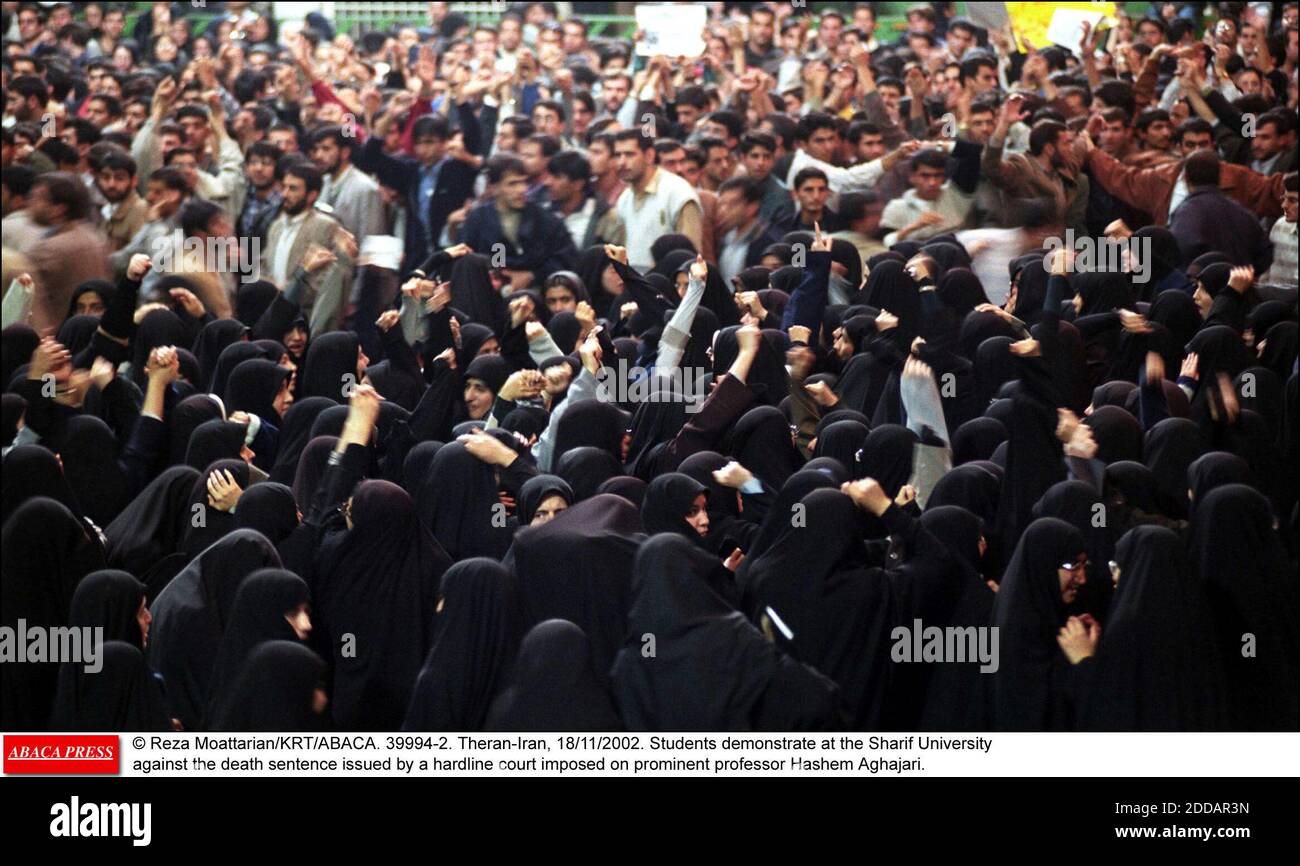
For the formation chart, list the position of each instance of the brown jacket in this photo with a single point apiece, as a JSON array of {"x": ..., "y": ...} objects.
[
  {"x": 1150, "y": 189},
  {"x": 62, "y": 261},
  {"x": 126, "y": 220}
]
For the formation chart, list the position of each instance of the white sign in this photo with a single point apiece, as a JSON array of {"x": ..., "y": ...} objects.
[{"x": 677, "y": 31}]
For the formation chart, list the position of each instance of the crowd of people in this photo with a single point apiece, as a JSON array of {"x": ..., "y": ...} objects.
[{"x": 465, "y": 376}]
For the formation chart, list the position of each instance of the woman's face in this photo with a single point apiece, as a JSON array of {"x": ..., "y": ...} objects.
[
  {"x": 300, "y": 619},
  {"x": 559, "y": 299},
  {"x": 490, "y": 347},
  {"x": 843, "y": 345},
  {"x": 698, "y": 516},
  {"x": 478, "y": 399},
  {"x": 90, "y": 304},
  {"x": 295, "y": 341},
  {"x": 682, "y": 281},
  {"x": 611, "y": 281},
  {"x": 550, "y": 507},
  {"x": 164, "y": 49},
  {"x": 1072, "y": 578},
  {"x": 1203, "y": 300},
  {"x": 144, "y": 618}
]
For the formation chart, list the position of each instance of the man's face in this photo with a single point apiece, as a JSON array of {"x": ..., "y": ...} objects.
[
  {"x": 294, "y": 190},
  {"x": 673, "y": 160},
  {"x": 813, "y": 193},
  {"x": 114, "y": 24},
  {"x": 534, "y": 160},
  {"x": 927, "y": 181},
  {"x": 29, "y": 25},
  {"x": 166, "y": 198},
  {"x": 890, "y": 96},
  {"x": 1266, "y": 141},
  {"x": 713, "y": 129},
  {"x": 630, "y": 161},
  {"x": 561, "y": 187},
  {"x": 60, "y": 17},
  {"x": 1149, "y": 33},
  {"x": 691, "y": 172},
  {"x": 507, "y": 137},
  {"x": 721, "y": 164},
  {"x": 1159, "y": 134},
  {"x": 1058, "y": 152},
  {"x": 761, "y": 28},
  {"x": 598, "y": 155},
  {"x": 1114, "y": 136},
  {"x": 582, "y": 118},
  {"x": 22, "y": 109},
  {"x": 688, "y": 116},
  {"x": 829, "y": 31},
  {"x": 1225, "y": 32},
  {"x": 428, "y": 149},
  {"x": 574, "y": 39},
  {"x": 42, "y": 210},
  {"x": 511, "y": 34},
  {"x": 822, "y": 144},
  {"x": 615, "y": 93},
  {"x": 260, "y": 171},
  {"x": 512, "y": 191},
  {"x": 196, "y": 131},
  {"x": 114, "y": 183},
  {"x": 25, "y": 67},
  {"x": 547, "y": 121},
  {"x": 1194, "y": 141},
  {"x": 734, "y": 211},
  {"x": 865, "y": 20},
  {"x": 758, "y": 162},
  {"x": 327, "y": 155},
  {"x": 958, "y": 41},
  {"x": 1291, "y": 206},
  {"x": 485, "y": 43},
  {"x": 980, "y": 126},
  {"x": 871, "y": 146},
  {"x": 284, "y": 140},
  {"x": 1249, "y": 39},
  {"x": 97, "y": 113},
  {"x": 188, "y": 165},
  {"x": 1248, "y": 82}
]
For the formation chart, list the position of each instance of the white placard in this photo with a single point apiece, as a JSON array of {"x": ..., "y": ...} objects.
[
  {"x": 1066, "y": 28},
  {"x": 677, "y": 31}
]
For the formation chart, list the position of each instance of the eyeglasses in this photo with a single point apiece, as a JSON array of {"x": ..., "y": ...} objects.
[{"x": 1075, "y": 566}]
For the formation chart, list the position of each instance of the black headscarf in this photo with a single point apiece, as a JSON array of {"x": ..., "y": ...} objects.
[
  {"x": 1251, "y": 589},
  {"x": 311, "y": 469},
  {"x": 1134, "y": 484},
  {"x": 1118, "y": 434},
  {"x": 472, "y": 292},
  {"x": 476, "y": 633},
  {"x": 44, "y": 555},
  {"x": 295, "y": 433},
  {"x": 415, "y": 466},
  {"x": 668, "y": 500},
  {"x": 961, "y": 291},
  {"x": 88, "y": 450},
  {"x": 158, "y": 328},
  {"x": 269, "y": 508},
  {"x": 768, "y": 378},
  {"x": 275, "y": 690},
  {"x": 30, "y": 471},
  {"x": 578, "y": 566},
  {"x": 185, "y": 418},
  {"x": 1156, "y": 668},
  {"x": 1030, "y": 688},
  {"x": 656, "y": 421},
  {"x": 1176, "y": 311},
  {"x": 1103, "y": 291},
  {"x": 378, "y": 582},
  {"x": 1169, "y": 448},
  {"x": 537, "y": 490},
  {"x": 592, "y": 422},
  {"x": 253, "y": 387},
  {"x": 192, "y": 613},
  {"x": 262, "y": 605},
  {"x": 215, "y": 440},
  {"x": 110, "y": 600},
  {"x": 977, "y": 439},
  {"x": 121, "y": 696},
  {"x": 553, "y": 687},
  {"x": 1213, "y": 470},
  {"x": 711, "y": 670},
  {"x": 586, "y": 468},
  {"x": 252, "y": 300},
  {"x": 887, "y": 456},
  {"x": 782, "y": 510},
  {"x": 213, "y": 339},
  {"x": 844, "y": 440},
  {"x": 153, "y": 524},
  {"x": 207, "y": 524},
  {"x": 629, "y": 487},
  {"x": 971, "y": 487},
  {"x": 459, "y": 503},
  {"x": 760, "y": 441},
  {"x": 230, "y": 358},
  {"x": 1079, "y": 505},
  {"x": 76, "y": 332},
  {"x": 331, "y": 358}
]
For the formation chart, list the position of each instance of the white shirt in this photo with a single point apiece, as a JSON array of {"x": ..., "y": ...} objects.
[
  {"x": 1179, "y": 193},
  {"x": 653, "y": 213},
  {"x": 578, "y": 221},
  {"x": 280, "y": 263},
  {"x": 840, "y": 180}
]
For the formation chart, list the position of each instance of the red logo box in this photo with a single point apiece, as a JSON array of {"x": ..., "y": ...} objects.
[{"x": 61, "y": 754}]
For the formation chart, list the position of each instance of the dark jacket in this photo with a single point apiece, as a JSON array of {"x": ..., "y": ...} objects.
[
  {"x": 1209, "y": 220},
  {"x": 544, "y": 243},
  {"x": 454, "y": 186}
]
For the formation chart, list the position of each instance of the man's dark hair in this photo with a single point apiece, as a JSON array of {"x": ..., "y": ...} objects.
[
  {"x": 334, "y": 133},
  {"x": 549, "y": 144},
  {"x": 172, "y": 178},
  {"x": 18, "y": 179},
  {"x": 697, "y": 155},
  {"x": 1192, "y": 124},
  {"x": 750, "y": 189},
  {"x": 1117, "y": 94},
  {"x": 859, "y": 128},
  {"x": 262, "y": 150},
  {"x": 87, "y": 132},
  {"x": 667, "y": 145},
  {"x": 116, "y": 159},
  {"x": 431, "y": 126},
  {"x": 1115, "y": 115},
  {"x": 693, "y": 95},
  {"x": 68, "y": 190},
  {"x": 1202, "y": 168},
  {"x": 309, "y": 174},
  {"x": 709, "y": 143},
  {"x": 523, "y": 126},
  {"x": 854, "y": 205},
  {"x": 552, "y": 105},
  {"x": 1043, "y": 133},
  {"x": 729, "y": 120},
  {"x": 570, "y": 164},
  {"x": 30, "y": 87},
  {"x": 930, "y": 158},
  {"x": 1281, "y": 118},
  {"x": 783, "y": 127},
  {"x": 813, "y": 121},
  {"x": 644, "y": 142},
  {"x": 1150, "y": 20},
  {"x": 503, "y": 164},
  {"x": 809, "y": 173},
  {"x": 1291, "y": 183},
  {"x": 112, "y": 105},
  {"x": 60, "y": 153},
  {"x": 752, "y": 140},
  {"x": 191, "y": 111},
  {"x": 179, "y": 151},
  {"x": 970, "y": 67},
  {"x": 1149, "y": 116},
  {"x": 197, "y": 214},
  {"x": 605, "y": 138}
]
